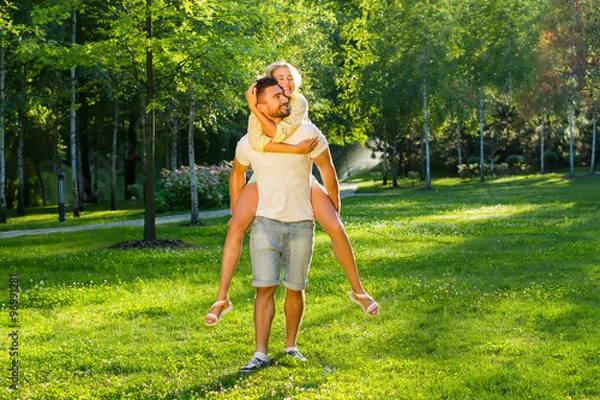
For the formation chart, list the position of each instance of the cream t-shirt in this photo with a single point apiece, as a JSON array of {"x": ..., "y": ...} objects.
[{"x": 283, "y": 179}]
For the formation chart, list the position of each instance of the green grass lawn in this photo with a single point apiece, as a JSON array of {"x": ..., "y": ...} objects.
[{"x": 487, "y": 291}]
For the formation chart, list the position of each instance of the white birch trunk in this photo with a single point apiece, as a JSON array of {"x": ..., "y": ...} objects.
[
  {"x": 571, "y": 89},
  {"x": 113, "y": 158},
  {"x": 458, "y": 146},
  {"x": 192, "y": 162},
  {"x": 2, "y": 159},
  {"x": 74, "y": 180},
  {"x": 571, "y": 151},
  {"x": 481, "y": 159},
  {"x": 542, "y": 144},
  {"x": 20, "y": 169},
  {"x": 427, "y": 155},
  {"x": 594, "y": 132}
]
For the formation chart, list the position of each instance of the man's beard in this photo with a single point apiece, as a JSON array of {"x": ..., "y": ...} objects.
[{"x": 281, "y": 113}]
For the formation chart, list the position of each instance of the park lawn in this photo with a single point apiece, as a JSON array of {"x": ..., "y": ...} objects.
[{"x": 487, "y": 291}]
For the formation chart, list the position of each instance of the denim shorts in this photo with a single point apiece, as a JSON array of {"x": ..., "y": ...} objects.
[{"x": 275, "y": 244}]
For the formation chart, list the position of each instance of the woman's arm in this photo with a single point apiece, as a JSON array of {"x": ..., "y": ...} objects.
[{"x": 304, "y": 147}]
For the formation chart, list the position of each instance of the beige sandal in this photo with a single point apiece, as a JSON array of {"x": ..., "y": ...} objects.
[
  {"x": 356, "y": 297},
  {"x": 217, "y": 318}
]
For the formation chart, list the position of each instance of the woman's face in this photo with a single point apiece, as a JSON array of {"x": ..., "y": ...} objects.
[{"x": 285, "y": 79}]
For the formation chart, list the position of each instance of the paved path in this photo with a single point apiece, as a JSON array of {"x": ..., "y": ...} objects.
[{"x": 346, "y": 190}]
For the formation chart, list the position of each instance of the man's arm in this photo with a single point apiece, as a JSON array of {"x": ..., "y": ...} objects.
[
  {"x": 237, "y": 181},
  {"x": 330, "y": 180}
]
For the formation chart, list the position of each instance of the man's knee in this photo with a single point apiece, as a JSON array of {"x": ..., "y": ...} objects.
[
  {"x": 294, "y": 294},
  {"x": 266, "y": 291}
]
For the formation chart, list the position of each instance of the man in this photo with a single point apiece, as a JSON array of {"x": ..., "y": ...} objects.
[{"x": 283, "y": 230}]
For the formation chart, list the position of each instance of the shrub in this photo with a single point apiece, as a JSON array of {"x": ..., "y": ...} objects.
[
  {"x": 501, "y": 168},
  {"x": 515, "y": 160},
  {"x": 550, "y": 157},
  {"x": 135, "y": 191},
  {"x": 472, "y": 160},
  {"x": 413, "y": 175},
  {"x": 472, "y": 170},
  {"x": 175, "y": 192}
]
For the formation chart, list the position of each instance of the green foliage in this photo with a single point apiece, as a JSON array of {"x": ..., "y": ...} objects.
[
  {"x": 515, "y": 160},
  {"x": 213, "y": 188},
  {"x": 551, "y": 157},
  {"x": 487, "y": 291}
]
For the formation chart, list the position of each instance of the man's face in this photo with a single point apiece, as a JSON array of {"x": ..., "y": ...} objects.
[{"x": 273, "y": 103}]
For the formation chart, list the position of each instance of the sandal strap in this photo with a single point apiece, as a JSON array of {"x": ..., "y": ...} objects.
[
  {"x": 219, "y": 303},
  {"x": 361, "y": 296},
  {"x": 212, "y": 315}
]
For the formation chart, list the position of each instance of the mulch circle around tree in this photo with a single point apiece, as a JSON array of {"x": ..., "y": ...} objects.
[{"x": 150, "y": 244}]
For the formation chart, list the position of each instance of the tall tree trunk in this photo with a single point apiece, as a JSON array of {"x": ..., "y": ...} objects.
[
  {"x": 385, "y": 156},
  {"x": 74, "y": 180},
  {"x": 2, "y": 132},
  {"x": 571, "y": 89},
  {"x": 174, "y": 144},
  {"x": 510, "y": 63},
  {"x": 81, "y": 180},
  {"x": 426, "y": 134},
  {"x": 542, "y": 144},
  {"x": 20, "y": 155},
  {"x": 386, "y": 168},
  {"x": 394, "y": 164},
  {"x": 113, "y": 158},
  {"x": 458, "y": 142},
  {"x": 149, "y": 203},
  {"x": 571, "y": 151},
  {"x": 594, "y": 131},
  {"x": 192, "y": 163},
  {"x": 20, "y": 165},
  {"x": 481, "y": 123}
]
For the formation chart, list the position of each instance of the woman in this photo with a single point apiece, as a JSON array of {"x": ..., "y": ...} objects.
[{"x": 266, "y": 135}]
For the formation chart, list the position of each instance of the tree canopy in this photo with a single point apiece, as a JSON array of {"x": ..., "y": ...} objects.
[{"x": 470, "y": 81}]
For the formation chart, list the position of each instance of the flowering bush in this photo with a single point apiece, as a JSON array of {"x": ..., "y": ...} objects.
[{"x": 175, "y": 192}]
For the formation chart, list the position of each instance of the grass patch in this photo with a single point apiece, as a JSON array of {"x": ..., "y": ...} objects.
[{"x": 488, "y": 291}]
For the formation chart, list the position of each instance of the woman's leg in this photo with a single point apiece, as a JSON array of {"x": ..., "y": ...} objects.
[
  {"x": 243, "y": 214},
  {"x": 330, "y": 221}
]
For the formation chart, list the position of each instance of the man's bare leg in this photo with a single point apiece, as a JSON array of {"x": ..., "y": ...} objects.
[
  {"x": 264, "y": 311},
  {"x": 294, "y": 310}
]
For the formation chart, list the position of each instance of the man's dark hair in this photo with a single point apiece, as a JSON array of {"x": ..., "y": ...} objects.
[{"x": 262, "y": 84}]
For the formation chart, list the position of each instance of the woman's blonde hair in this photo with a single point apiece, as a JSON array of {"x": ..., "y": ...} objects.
[{"x": 295, "y": 72}]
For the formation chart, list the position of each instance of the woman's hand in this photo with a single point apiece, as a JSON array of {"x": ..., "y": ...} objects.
[
  {"x": 251, "y": 97},
  {"x": 306, "y": 146}
]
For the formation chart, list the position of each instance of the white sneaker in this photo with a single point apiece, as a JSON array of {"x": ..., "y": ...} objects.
[{"x": 254, "y": 365}]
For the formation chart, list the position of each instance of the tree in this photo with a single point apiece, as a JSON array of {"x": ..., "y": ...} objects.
[
  {"x": 192, "y": 163},
  {"x": 74, "y": 169},
  {"x": 6, "y": 28}
]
